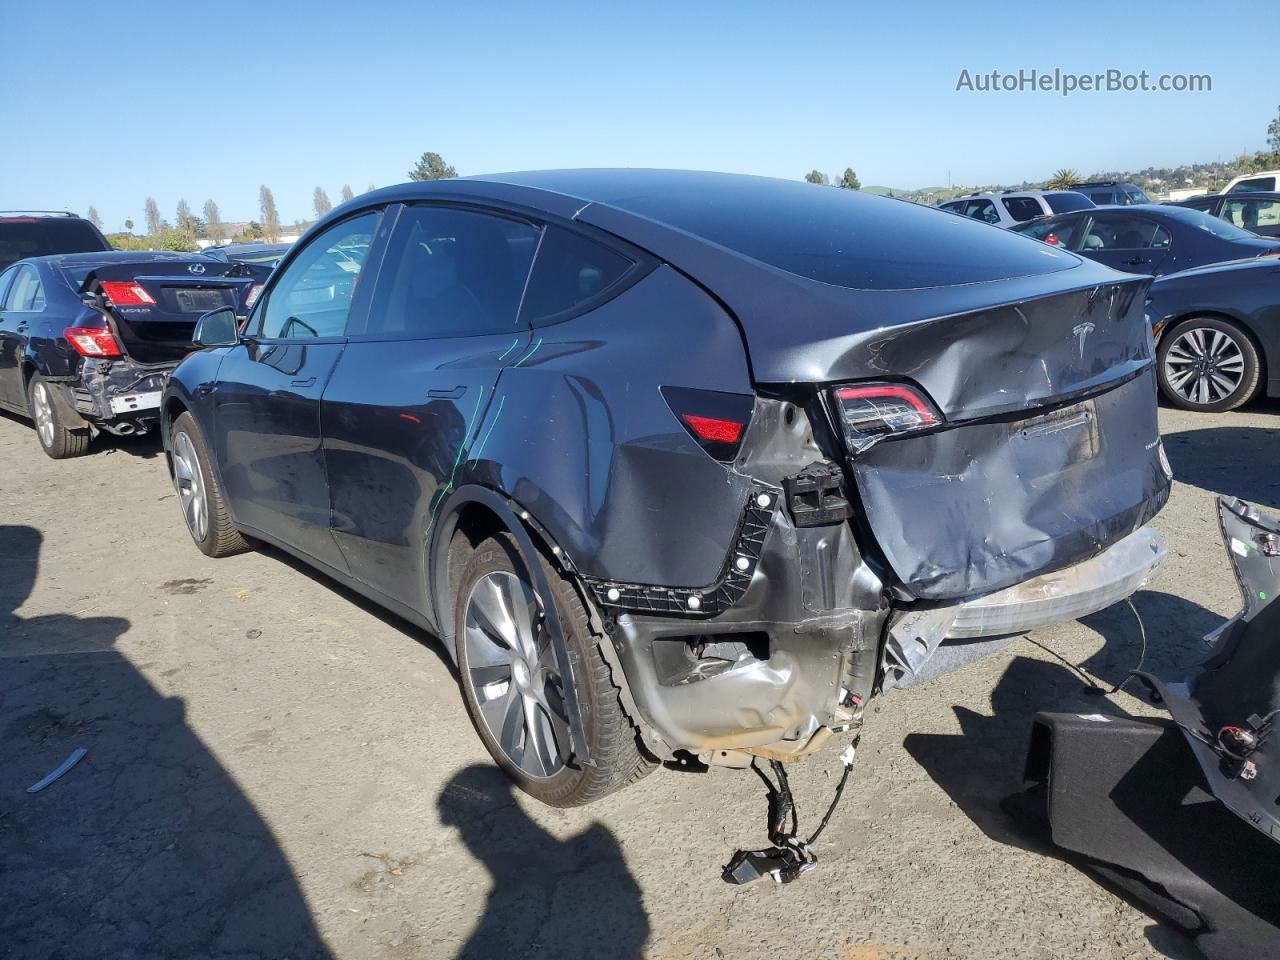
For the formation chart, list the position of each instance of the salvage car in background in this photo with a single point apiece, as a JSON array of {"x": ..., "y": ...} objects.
[
  {"x": 263, "y": 254},
  {"x": 1256, "y": 212},
  {"x": 87, "y": 339},
  {"x": 38, "y": 233},
  {"x": 1219, "y": 334},
  {"x": 1016, "y": 206},
  {"x": 680, "y": 465},
  {"x": 1149, "y": 239}
]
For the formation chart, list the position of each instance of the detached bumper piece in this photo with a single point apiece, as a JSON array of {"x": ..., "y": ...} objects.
[{"x": 1183, "y": 814}]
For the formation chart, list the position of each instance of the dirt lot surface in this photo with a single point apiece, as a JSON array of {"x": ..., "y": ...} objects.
[{"x": 277, "y": 769}]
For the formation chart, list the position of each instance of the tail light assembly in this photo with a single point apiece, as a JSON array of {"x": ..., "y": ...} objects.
[
  {"x": 93, "y": 341},
  {"x": 127, "y": 293},
  {"x": 716, "y": 420},
  {"x": 870, "y": 412},
  {"x": 252, "y": 296}
]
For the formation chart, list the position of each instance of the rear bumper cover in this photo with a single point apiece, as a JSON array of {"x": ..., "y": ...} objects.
[{"x": 1077, "y": 591}]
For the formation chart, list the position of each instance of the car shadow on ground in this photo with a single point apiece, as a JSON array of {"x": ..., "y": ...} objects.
[
  {"x": 983, "y": 766},
  {"x": 565, "y": 899},
  {"x": 1235, "y": 461},
  {"x": 145, "y": 848},
  {"x": 424, "y": 637},
  {"x": 146, "y": 446}
]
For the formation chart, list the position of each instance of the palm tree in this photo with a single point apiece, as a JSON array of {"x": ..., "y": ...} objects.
[{"x": 1064, "y": 179}]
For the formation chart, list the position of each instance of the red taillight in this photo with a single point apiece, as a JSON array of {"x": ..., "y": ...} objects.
[
  {"x": 127, "y": 293},
  {"x": 93, "y": 341},
  {"x": 252, "y": 296},
  {"x": 717, "y": 420},
  {"x": 870, "y": 412},
  {"x": 713, "y": 429},
  {"x": 1052, "y": 238}
]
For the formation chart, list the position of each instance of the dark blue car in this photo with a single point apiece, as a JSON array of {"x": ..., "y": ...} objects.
[
  {"x": 1149, "y": 238},
  {"x": 680, "y": 466}
]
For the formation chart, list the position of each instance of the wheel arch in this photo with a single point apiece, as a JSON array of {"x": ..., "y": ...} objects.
[{"x": 479, "y": 506}]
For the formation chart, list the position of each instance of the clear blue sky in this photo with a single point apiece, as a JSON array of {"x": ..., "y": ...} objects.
[{"x": 108, "y": 103}]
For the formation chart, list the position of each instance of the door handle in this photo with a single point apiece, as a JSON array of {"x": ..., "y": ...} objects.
[
  {"x": 309, "y": 382},
  {"x": 440, "y": 393},
  {"x": 1134, "y": 261}
]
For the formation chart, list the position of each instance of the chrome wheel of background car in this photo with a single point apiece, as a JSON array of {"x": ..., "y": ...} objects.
[
  {"x": 1204, "y": 365},
  {"x": 42, "y": 412},
  {"x": 188, "y": 479},
  {"x": 512, "y": 670}
]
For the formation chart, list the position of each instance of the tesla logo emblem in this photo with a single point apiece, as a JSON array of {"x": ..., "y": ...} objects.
[
  {"x": 198, "y": 268},
  {"x": 1082, "y": 330}
]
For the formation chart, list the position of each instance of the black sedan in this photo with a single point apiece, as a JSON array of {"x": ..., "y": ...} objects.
[
  {"x": 1256, "y": 212},
  {"x": 1150, "y": 239},
  {"x": 1219, "y": 333}
]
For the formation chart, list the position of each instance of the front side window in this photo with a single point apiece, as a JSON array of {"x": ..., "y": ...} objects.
[
  {"x": 452, "y": 273},
  {"x": 1251, "y": 214},
  {"x": 571, "y": 270},
  {"x": 1125, "y": 233},
  {"x": 312, "y": 297},
  {"x": 1136, "y": 196},
  {"x": 27, "y": 293},
  {"x": 1022, "y": 208}
]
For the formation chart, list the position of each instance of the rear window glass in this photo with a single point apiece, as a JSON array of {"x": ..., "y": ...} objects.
[
  {"x": 38, "y": 237},
  {"x": 1066, "y": 202},
  {"x": 1257, "y": 183},
  {"x": 1208, "y": 223},
  {"x": 1023, "y": 208},
  {"x": 570, "y": 270}
]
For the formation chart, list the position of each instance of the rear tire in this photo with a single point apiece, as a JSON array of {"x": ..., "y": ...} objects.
[
  {"x": 510, "y": 677},
  {"x": 199, "y": 495},
  {"x": 1208, "y": 364},
  {"x": 56, "y": 439}
]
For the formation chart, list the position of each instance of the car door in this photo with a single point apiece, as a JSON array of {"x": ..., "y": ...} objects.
[
  {"x": 24, "y": 304},
  {"x": 402, "y": 413},
  {"x": 267, "y": 394},
  {"x": 1126, "y": 241}
]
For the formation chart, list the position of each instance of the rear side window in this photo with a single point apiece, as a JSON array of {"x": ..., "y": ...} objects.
[
  {"x": 1060, "y": 232},
  {"x": 1251, "y": 214},
  {"x": 1257, "y": 183},
  {"x": 313, "y": 295},
  {"x": 1068, "y": 201},
  {"x": 571, "y": 271},
  {"x": 983, "y": 210},
  {"x": 953, "y": 207},
  {"x": 22, "y": 237},
  {"x": 1103, "y": 198},
  {"x": 27, "y": 293},
  {"x": 452, "y": 273},
  {"x": 1022, "y": 208}
]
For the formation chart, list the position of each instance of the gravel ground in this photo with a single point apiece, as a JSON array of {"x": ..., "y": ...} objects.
[{"x": 276, "y": 768}]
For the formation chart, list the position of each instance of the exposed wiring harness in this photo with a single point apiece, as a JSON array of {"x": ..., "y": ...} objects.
[{"x": 790, "y": 857}]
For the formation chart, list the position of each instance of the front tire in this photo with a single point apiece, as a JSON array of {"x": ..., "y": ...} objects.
[
  {"x": 206, "y": 515},
  {"x": 56, "y": 440},
  {"x": 511, "y": 681},
  {"x": 1208, "y": 364}
]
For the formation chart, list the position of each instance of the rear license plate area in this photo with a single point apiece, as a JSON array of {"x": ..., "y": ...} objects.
[
  {"x": 1060, "y": 440},
  {"x": 198, "y": 301},
  {"x": 135, "y": 402}
]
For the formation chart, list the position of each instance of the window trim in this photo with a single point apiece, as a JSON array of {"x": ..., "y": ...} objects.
[{"x": 360, "y": 301}]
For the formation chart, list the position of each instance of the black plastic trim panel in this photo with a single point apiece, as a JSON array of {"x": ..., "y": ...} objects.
[{"x": 709, "y": 601}]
